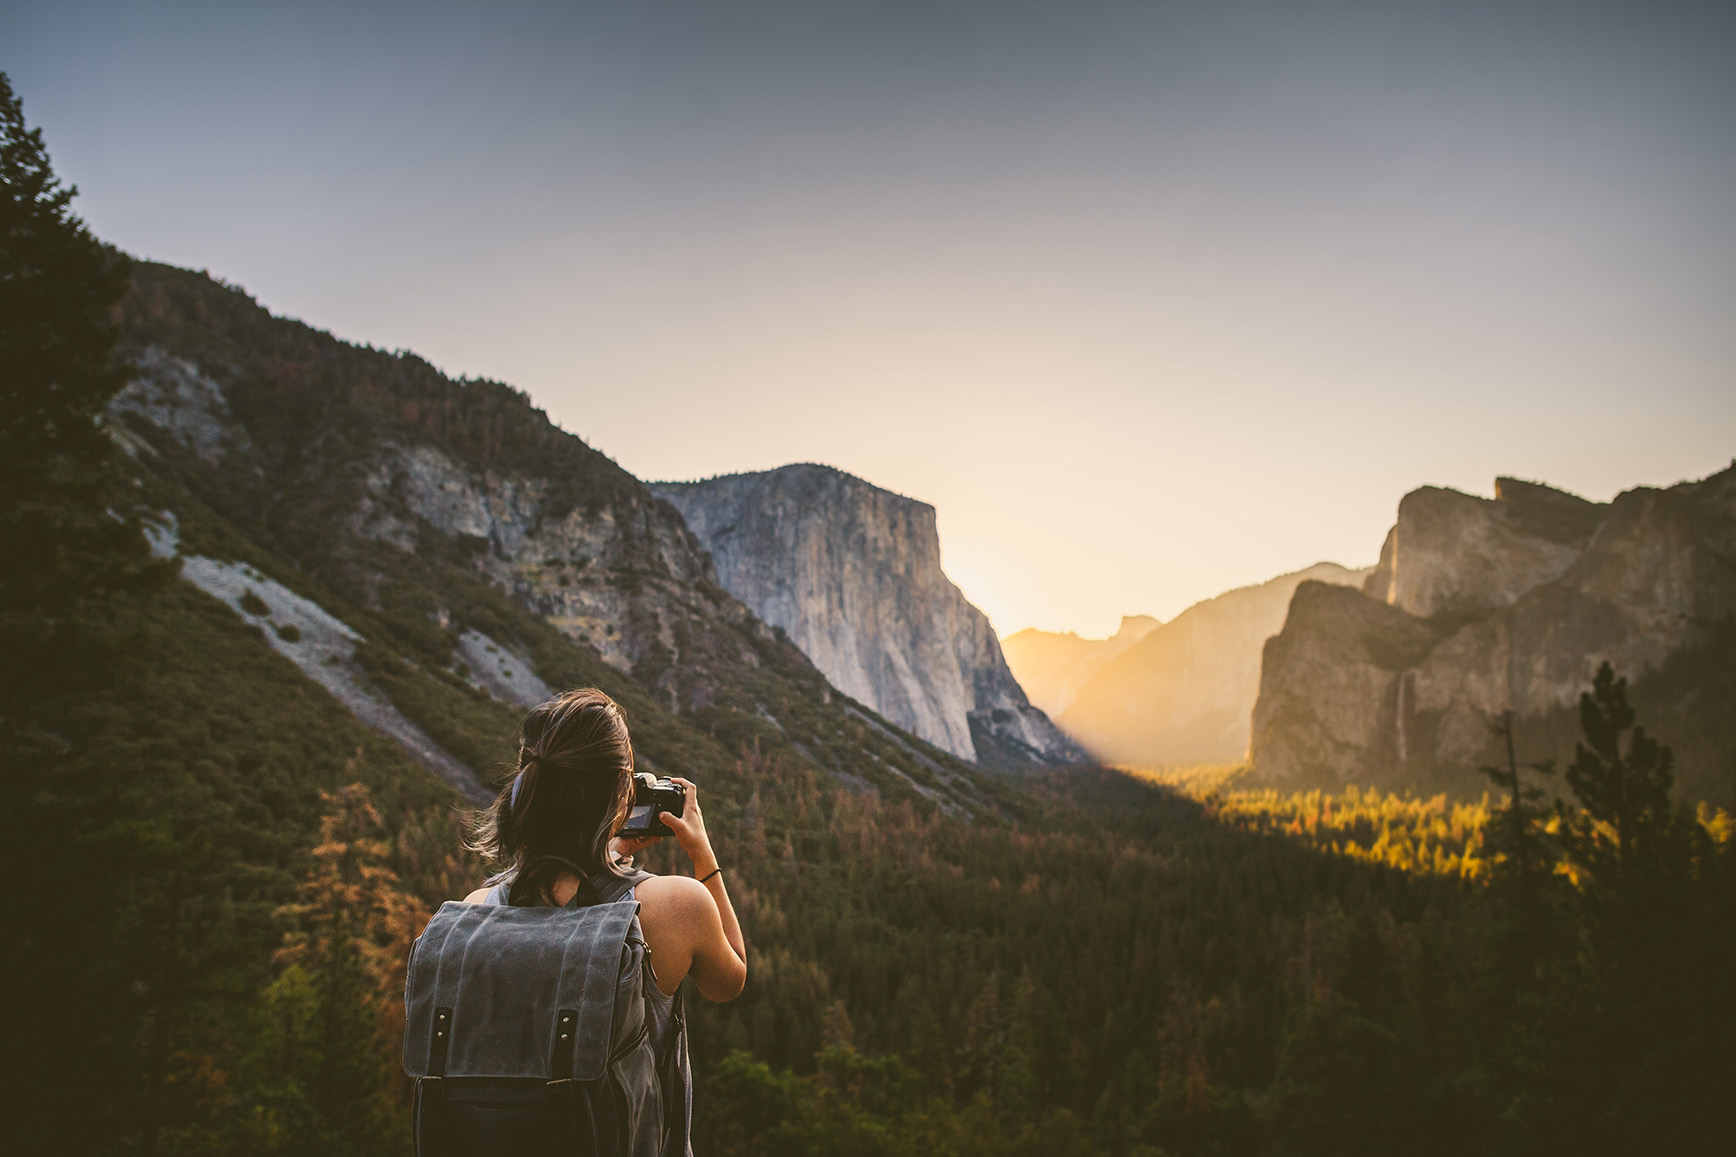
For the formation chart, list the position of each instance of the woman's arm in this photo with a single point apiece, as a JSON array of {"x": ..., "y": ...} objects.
[{"x": 719, "y": 952}]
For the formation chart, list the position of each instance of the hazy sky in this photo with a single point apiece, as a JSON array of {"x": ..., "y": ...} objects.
[{"x": 1150, "y": 300}]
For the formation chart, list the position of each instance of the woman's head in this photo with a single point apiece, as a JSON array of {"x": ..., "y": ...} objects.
[{"x": 571, "y": 792}]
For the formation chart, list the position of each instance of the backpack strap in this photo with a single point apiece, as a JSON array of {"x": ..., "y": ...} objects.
[
  {"x": 593, "y": 890},
  {"x": 606, "y": 889}
]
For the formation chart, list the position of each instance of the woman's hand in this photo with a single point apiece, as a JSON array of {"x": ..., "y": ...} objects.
[
  {"x": 688, "y": 828},
  {"x": 625, "y": 848}
]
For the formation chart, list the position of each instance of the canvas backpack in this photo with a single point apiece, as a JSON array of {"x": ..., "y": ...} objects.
[{"x": 527, "y": 1031}]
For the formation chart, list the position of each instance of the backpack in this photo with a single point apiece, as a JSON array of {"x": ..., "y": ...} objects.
[{"x": 527, "y": 1031}]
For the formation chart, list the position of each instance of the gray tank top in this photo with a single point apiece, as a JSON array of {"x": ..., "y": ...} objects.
[{"x": 667, "y": 1030}]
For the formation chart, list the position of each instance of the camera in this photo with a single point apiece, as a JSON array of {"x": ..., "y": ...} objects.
[{"x": 652, "y": 797}]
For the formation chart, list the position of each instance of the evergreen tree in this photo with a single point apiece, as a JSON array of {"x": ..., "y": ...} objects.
[
  {"x": 340, "y": 1008},
  {"x": 1653, "y": 1013},
  {"x": 1624, "y": 821},
  {"x": 1519, "y": 850},
  {"x": 70, "y": 543},
  {"x": 63, "y": 531}
]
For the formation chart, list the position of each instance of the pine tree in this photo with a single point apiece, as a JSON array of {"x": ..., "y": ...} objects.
[
  {"x": 339, "y": 1012},
  {"x": 1624, "y": 821},
  {"x": 64, "y": 532},
  {"x": 68, "y": 541},
  {"x": 1519, "y": 850},
  {"x": 1655, "y": 1012},
  {"x": 982, "y": 1054}
]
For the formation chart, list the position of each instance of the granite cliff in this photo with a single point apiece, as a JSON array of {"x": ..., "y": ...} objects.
[
  {"x": 852, "y": 574},
  {"x": 1184, "y": 692},
  {"x": 1479, "y": 606}
]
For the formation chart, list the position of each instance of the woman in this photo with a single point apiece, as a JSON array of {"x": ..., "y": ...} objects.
[{"x": 554, "y": 830}]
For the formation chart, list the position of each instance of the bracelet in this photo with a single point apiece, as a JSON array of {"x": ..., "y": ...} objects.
[{"x": 710, "y": 874}]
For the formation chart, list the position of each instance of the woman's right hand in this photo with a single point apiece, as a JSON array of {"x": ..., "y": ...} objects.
[
  {"x": 697, "y": 912},
  {"x": 688, "y": 828}
]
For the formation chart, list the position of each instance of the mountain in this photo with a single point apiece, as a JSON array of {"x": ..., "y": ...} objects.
[
  {"x": 1051, "y": 666},
  {"x": 1479, "y": 606},
  {"x": 1185, "y": 692},
  {"x": 445, "y": 554},
  {"x": 851, "y": 573}
]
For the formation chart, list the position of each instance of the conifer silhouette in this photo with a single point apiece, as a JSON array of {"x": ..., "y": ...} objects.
[
  {"x": 58, "y": 285},
  {"x": 1624, "y": 817}
]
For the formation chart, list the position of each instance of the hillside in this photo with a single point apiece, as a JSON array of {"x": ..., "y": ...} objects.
[
  {"x": 851, "y": 572},
  {"x": 1185, "y": 692},
  {"x": 444, "y": 521},
  {"x": 1052, "y": 666}
]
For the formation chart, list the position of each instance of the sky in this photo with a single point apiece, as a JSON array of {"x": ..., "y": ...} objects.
[{"x": 1149, "y": 300}]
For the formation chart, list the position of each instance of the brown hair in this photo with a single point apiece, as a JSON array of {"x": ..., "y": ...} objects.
[{"x": 571, "y": 793}]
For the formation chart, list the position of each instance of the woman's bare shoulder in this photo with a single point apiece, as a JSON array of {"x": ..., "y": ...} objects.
[
  {"x": 478, "y": 896},
  {"x": 676, "y": 895}
]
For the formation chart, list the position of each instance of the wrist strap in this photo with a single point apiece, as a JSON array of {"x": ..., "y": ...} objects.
[{"x": 710, "y": 874}]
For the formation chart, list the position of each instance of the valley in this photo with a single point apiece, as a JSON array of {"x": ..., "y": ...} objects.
[
  {"x": 373, "y": 569},
  {"x": 1432, "y": 856}
]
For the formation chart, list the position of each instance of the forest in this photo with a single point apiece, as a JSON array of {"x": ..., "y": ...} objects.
[{"x": 230, "y": 868}]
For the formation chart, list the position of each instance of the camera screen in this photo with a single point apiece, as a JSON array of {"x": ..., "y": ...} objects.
[{"x": 639, "y": 817}]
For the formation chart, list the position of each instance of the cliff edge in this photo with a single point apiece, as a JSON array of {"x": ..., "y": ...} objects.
[
  {"x": 852, "y": 574},
  {"x": 1480, "y": 606}
]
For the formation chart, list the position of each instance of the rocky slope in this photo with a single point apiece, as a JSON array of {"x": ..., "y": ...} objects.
[
  {"x": 852, "y": 574},
  {"x": 618, "y": 572},
  {"x": 1185, "y": 692},
  {"x": 1481, "y": 606},
  {"x": 321, "y": 646},
  {"x": 474, "y": 553},
  {"x": 1051, "y": 666}
]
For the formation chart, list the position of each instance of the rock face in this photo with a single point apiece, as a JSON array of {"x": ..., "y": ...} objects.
[
  {"x": 1052, "y": 666},
  {"x": 1343, "y": 649},
  {"x": 852, "y": 573},
  {"x": 173, "y": 394},
  {"x": 1451, "y": 553},
  {"x": 625, "y": 577},
  {"x": 1184, "y": 693},
  {"x": 1483, "y": 606}
]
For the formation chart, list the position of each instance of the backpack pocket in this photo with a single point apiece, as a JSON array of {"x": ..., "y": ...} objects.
[{"x": 515, "y": 1117}]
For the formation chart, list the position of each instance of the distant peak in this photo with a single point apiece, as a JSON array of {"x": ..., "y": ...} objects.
[
  {"x": 1136, "y": 627},
  {"x": 1333, "y": 568}
]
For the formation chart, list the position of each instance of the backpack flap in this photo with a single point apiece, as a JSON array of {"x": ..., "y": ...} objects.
[{"x": 492, "y": 988}]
